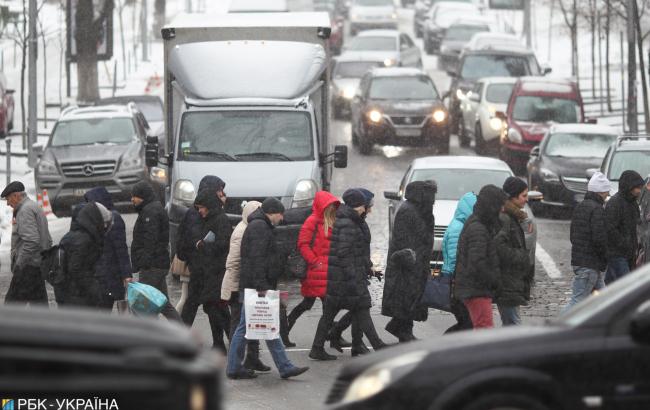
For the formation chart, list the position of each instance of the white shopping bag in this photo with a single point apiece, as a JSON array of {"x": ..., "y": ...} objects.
[{"x": 262, "y": 315}]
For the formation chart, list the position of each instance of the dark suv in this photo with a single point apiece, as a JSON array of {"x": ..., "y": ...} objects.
[{"x": 399, "y": 106}]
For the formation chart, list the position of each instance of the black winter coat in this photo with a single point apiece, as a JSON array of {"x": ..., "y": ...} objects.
[
  {"x": 348, "y": 262},
  {"x": 83, "y": 246},
  {"x": 149, "y": 248},
  {"x": 517, "y": 273},
  {"x": 406, "y": 278},
  {"x": 622, "y": 213},
  {"x": 260, "y": 261},
  {"x": 589, "y": 233}
]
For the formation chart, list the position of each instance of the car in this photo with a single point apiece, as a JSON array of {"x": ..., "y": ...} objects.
[
  {"x": 95, "y": 146},
  {"x": 478, "y": 108},
  {"x": 487, "y": 62},
  {"x": 399, "y": 106},
  {"x": 535, "y": 104},
  {"x": 440, "y": 17},
  {"x": 491, "y": 39},
  {"x": 390, "y": 46},
  {"x": 455, "y": 176},
  {"x": 456, "y": 37},
  {"x": 346, "y": 74},
  {"x": 6, "y": 107},
  {"x": 73, "y": 358},
  {"x": 595, "y": 355},
  {"x": 628, "y": 152},
  {"x": 372, "y": 14},
  {"x": 558, "y": 166}
]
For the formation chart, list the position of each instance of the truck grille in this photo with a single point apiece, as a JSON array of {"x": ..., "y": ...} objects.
[
  {"x": 439, "y": 231},
  {"x": 575, "y": 184},
  {"x": 88, "y": 169},
  {"x": 417, "y": 120},
  {"x": 234, "y": 205}
]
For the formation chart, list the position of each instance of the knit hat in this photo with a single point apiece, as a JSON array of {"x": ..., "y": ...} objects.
[
  {"x": 272, "y": 206},
  {"x": 369, "y": 196},
  {"x": 599, "y": 183},
  {"x": 354, "y": 198},
  {"x": 15, "y": 186},
  {"x": 514, "y": 187}
]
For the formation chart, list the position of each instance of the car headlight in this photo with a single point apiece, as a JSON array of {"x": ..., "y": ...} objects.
[
  {"x": 379, "y": 376},
  {"x": 183, "y": 193},
  {"x": 514, "y": 136},
  {"x": 348, "y": 93},
  {"x": 439, "y": 115},
  {"x": 496, "y": 124},
  {"x": 444, "y": 49},
  {"x": 131, "y": 163},
  {"x": 460, "y": 94},
  {"x": 389, "y": 62},
  {"x": 198, "y": 398},
  {"x": 374, "y": 116},
  {"x": 393, "y": 16},
  {"x": 304, "y": 194},
  {"x": 158, "y": 175},
  {"x": 47, "y": 168},
  {"x": 549, "y": 175},
  {"x": 354, "y": 17}
]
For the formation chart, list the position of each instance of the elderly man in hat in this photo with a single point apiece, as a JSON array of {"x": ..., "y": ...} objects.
[{"x": 30, "y": 236}]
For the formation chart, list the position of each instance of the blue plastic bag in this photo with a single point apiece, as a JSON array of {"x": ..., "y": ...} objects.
[{"x": 145, "y": 300}]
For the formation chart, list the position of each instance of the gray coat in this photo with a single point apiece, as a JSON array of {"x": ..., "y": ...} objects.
[{"x": 30, "y": 235}]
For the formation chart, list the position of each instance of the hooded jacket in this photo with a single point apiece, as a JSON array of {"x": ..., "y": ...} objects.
[
  {"x": 589, "y": 233},
  {"x": 622, "y": 215},
  {"x": 149, "y": 248},
  {"x": 464, "y": 209},
  {"x": 230, "y": 282},
  {"x": 260, "y": 264},
  {"x": 114, "y": 264},
  {"x": 477, "y": 261},
  {"x": 406, "y": 277}
]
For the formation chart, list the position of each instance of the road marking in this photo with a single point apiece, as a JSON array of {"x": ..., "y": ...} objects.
[{"x": 547, "y": 262}]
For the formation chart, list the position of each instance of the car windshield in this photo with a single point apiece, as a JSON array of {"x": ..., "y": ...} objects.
[
  {"x": 402, "y": 88},
  {"x": 454, "y": 183},
  {"x": 499, "y": 93},
  {"x": 152, "y": 110},
  {"x": 245, "y": 136},
  {"x": 477, "y": 66},
  {"x": 531, "y": 108},
  {"x": 372, "y": 43},
  {"x": 464, "y": 33},
  {"x": 93, "y": 131},
  {"x": 576, "y": 145},
  {"x": 638, "y": 161},
  {"x": 374, "y": 3},
  {"x": 355, "y": 69}
]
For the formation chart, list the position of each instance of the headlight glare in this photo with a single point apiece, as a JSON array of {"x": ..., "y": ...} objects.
[
  {"x": 348, "y": 93},
  {"x": 496, "y": 124},
  {"x": 389, "y": 62},
  {"x": 374, "y": 116},
  {"x": 394, "y": 16},
  {"x": 184, "y": 193},
  {"x": 460, "y": 94},
  {"x": 158, "y": 174},
  {"x": 439, "y": 115}
]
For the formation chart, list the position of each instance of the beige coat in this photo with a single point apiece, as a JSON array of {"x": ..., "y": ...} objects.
[{"x": 233, "y": 262}]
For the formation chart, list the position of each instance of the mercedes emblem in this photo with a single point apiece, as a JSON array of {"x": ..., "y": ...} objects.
[{"x": 88, "y": 170}]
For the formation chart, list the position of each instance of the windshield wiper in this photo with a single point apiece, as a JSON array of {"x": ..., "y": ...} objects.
[
  {"x": 264, "y": 155},
  {"x": 221, "y": 155}
]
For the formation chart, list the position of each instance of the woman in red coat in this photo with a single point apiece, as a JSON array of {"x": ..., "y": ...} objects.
[{"x": 314, "y": 246}]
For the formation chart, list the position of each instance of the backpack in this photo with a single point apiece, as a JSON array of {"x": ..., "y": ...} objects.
[{"x": 53, "y": 265}]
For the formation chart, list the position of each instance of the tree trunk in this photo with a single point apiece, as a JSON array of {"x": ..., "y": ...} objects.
[
  {"x": 632, "y": 112},
  {"x": 607, "y": 68},
  {"x": 23, "y": 67},
  {"x": 592, "y": 23},
  {"x": 644, "y": 85}
]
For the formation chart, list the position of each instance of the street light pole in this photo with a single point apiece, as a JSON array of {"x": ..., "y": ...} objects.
[
  {"x": 528, "y": 23},
  {"x": 144, "y": 31},
  {"x": 32, "y": 112},
  {"x": 632, "y": 115}
]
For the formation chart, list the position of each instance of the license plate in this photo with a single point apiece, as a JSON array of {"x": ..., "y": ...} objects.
[
  {"x": 407, "y": 132},
  {"x": 79, "y": 191}
]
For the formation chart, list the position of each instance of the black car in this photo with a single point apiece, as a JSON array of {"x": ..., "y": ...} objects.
[
  {"x": 398, "y": 106},
  {"x": 558, "y": 166},
  {"x": 103, "y": 359},
  {"x": 596, "y": 355}
]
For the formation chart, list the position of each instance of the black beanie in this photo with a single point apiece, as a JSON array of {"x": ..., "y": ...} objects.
[
  {"x": 514, "y": 186},
  {"x": 272, "y": 206},
  {"x": 354, "y": 198}
]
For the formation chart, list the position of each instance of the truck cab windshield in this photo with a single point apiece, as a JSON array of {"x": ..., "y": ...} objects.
[{"x": 218, "y": 136}]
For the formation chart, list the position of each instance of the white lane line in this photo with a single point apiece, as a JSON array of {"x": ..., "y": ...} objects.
[{"x": 547, "y": 262}]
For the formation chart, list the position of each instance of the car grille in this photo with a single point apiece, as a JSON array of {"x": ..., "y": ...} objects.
[
  {"x": 439, "y": 231},
  {"x": 88, "y": 169},
  {"x": 234, "y": 205},
  {"x": 338, "y": 391},
  {"x": 407, "y": 120},
  {"x": 575, "y": 184}
]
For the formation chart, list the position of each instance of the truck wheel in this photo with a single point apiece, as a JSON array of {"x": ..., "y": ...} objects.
[{"x": 500, "y": 401}]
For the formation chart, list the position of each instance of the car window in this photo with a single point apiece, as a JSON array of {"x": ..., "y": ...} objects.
[
  {"x": 152, "y": 110},
  {"x": 402, "y": 88},
  {"x": 353, "y": 69},
  {"x": 477, "y": 89},
  {"x": 408, "y": 41},
  {"x": 576, "y": 145},
  {"x": 93, "y": 131},
  {"x": 464, "y": 32},
  {"x": 477, "y": 66},
  {"x": 378, "y": 43},
  {"x": 531, "y": 108},
  {"x": 454, "y": 183},
  {"x": 499, "y": 93},
  {"x": 638, "y": 161}
]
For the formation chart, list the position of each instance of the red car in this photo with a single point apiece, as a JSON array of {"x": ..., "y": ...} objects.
[
  {"x": 535, "y": 104},
  {"x": 6, "y": 108}
]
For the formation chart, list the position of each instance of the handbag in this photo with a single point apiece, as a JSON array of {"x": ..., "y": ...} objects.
[
  {"x": 437, "y": 293},
  {"x": 179, "y": 267},
  {"x": 296, "y": 264}
]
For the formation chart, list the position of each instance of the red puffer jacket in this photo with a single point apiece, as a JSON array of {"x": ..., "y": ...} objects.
[{"x": 315, "y": 284}]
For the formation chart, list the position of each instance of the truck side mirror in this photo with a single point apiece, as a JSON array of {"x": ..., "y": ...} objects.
[
  {"x": 340, "y": 156},
  {"x": 392, "y": 195},
  {"x": 151, "y": 151}
]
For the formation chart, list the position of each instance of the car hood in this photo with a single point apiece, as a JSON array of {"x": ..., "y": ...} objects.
[
  {"x": 343, "y": 83},
  {"x": 372, "y": 11},
  {"x": 533, "y": 131},
  {"x": 571, "y": 167},
  {"x": 406, "y": 107},
  {"x": 90, "y": 153},
  {"x": 372, "y": 55},
  {"x": 443, "y": 211},
  {"x": 251, "y": 179}
]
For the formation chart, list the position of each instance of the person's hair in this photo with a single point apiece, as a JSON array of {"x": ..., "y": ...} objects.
[{"x": 329, "y": 217}]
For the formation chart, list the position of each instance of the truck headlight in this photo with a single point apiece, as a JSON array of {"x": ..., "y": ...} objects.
[
  {"x": 393, "y": 16},
  {"x": 47, "y": 168},
  {"x": 514, "y": 136},
  {"x": 374, "y": 116},
  {"x": 183, "y": 193},
  {"x": 548, "y": 175},
  {"x": 439, "y": 115},
  {"x": 131, "y": 163},
  {"x": 496, "y": 124},
  {"x": 304, "y": 194},
  {"x": 158, "y": 175},
  {"x": 379, "y": 376},
  {"x": 389, "y": 62},
  {"x": 348, "y": 92}
]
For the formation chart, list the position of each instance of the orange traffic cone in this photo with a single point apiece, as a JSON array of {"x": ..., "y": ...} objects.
[
  {"x": 39, "y": 200},
  {"x": 47, "y": 208}
]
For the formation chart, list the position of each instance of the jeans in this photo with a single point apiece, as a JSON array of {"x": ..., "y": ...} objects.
[
  {"x": 158, "y": 279},
  {"x": 509, "y": 315},
  {"x": 585, "y": 281},
  {"x": 361, "y": 323},
  {"x": 616, "y": 269},
  {"x": 238, "y": 344},
  {"x": 480, "y": 311}
]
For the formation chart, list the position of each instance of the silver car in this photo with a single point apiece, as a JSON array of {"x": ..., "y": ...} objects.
[
  {"x": 390, "y": 46},
  {"x": 372, "y": 14},
  {"x": 455, "y": 176}
]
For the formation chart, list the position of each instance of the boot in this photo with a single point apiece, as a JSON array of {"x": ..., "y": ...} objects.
[
  {"x": 336, "y": 340},
  {"x": 358, "y": 350},
  {"x": 284, "y": 328},
  {"x": 319, "y": 353},
  {"x": 393, "y": 328},
  {"x": 253, "y": 361}
]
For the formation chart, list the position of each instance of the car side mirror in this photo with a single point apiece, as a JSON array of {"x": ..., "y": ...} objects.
[
  {"x": 546, "y": 69},
  {"x": 474, "y": 97},
  {"x": 640, "y": 324},
  {"x": 591, "y": 172},
  {"x": 340, "y": 156},
  {"x": 392, "y": 195},
  {"x": 38, "y": 149},
  {"x": 535, "y": 196},
  {"x": 151, "y": 151},
  {"x": 534, "y": 153}
]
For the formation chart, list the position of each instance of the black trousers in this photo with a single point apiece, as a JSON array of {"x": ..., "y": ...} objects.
[
  {"x": 27, "y": 286},
  {"x": 400, "y": 327},
  {"x": 158, "y": 279},
  {"x": 464, "y": 321},
  {"x": 219, "y": 317},
  {"x": 307, "y": 303},
  {"x": 361, "y": 323}
]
